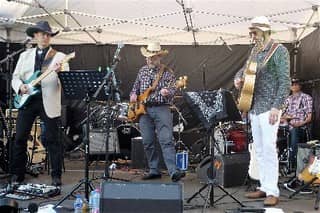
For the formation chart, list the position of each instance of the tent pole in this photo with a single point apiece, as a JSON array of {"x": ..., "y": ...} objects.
[{"x": 66, "y": 15}]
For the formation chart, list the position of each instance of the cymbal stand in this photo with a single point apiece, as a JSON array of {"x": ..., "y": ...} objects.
[{"x": 179, "y": 143}]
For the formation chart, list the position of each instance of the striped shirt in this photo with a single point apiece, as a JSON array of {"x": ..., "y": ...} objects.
[{"x": 146, "y": 77}]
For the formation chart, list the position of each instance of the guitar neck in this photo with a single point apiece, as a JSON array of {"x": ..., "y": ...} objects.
[{"x": 41, "y": 77}]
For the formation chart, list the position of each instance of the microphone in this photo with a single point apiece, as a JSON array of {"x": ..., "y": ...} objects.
[
  {"x": 225, "y": 43},
  {"x": 117, "y": 52},
  {"x": 33, "y": 207}
]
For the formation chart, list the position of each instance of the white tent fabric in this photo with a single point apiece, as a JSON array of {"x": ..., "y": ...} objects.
[{"x": 213, "y": 22}]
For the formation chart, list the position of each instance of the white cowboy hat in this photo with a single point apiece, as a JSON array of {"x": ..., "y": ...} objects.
[
  {"x": 260, "y": 22},
  {"x": 153, "y": 49}
]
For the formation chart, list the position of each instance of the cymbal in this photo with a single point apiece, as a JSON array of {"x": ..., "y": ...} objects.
[{"x": 177, "y": 96}]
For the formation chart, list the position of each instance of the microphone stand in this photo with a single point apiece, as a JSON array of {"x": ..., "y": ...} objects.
[
  {"x": 9, "y": 59},
  {"x": 111, "y": 87}
]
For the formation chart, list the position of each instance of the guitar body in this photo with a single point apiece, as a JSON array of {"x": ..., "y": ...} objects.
[
  {"x": 21, "y": 100},
  {"x": 246, "y": 95},
  {"x": 136, "y": 109},
  {"x": 311, "y": 172}
]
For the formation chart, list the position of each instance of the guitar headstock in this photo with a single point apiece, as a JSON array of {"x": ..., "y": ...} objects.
[
  {"x": 66, "y": 59},
  {"x": 69, "y": 57},
  {"x": 182, "y": 82}
]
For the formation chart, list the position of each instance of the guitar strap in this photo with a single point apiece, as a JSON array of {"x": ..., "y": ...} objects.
[
  {"x": 159, "y": 76},
  {"x": 47, "y": 61},
  {"x": 270, "y": 53}
]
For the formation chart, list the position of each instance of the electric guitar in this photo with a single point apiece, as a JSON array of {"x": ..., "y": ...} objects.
[
  {"x": 311, "y": 173},
  {"x": 33, "y": 83},
  {"x": 136, "y": 109}
]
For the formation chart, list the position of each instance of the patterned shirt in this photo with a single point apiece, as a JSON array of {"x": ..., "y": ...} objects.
[
  {"x": 298, "y": 106},
  {"x": 146, "y": 77},
  {"x": 272, "y": 83}
]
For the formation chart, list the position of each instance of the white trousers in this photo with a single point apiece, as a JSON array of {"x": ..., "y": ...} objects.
[{"x": 265, "y": 137}]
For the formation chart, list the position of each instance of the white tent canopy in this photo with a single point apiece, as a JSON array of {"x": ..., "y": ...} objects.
[{"x": 141, "y": 21}]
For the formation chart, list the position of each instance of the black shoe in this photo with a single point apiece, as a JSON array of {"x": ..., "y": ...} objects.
[
  {"x": 294, "y": 185},
  {"x": 56, "y": 181},
  {"x": 177, "y": 176},
  {"x": 151, "y": 176},
  {"x": 16, "y": 179}
]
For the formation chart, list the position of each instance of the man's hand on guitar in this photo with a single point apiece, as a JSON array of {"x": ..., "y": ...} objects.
[
  {"x": 57, "y": 66},
  {"x": 24, "y": 89},
  {"x": 133, "y": 98},
  {"x": 274, "y": 115},
  {"x": 164, "y": 92},
  {"x": 238, "y": 83}
]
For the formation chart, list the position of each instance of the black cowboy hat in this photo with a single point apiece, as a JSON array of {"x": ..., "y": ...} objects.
[{"x": 41, "y": 26}]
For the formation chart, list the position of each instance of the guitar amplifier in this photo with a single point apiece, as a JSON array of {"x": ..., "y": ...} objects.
[
  {"x": 98, "y": 138},
  {"x": 230, "y": 170}
]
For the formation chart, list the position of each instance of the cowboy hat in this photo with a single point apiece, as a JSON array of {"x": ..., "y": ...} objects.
[
  {"x": 153, "y": 49},
  {"x": 41, "y": 26},
  {"x": 295, "y": 80},
  {"x": 260, "y": 22}
]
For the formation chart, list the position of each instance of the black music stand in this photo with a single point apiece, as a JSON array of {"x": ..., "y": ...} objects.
[
  {"x": 212, "y": 107},
  {"x": 81, "y": 85}
]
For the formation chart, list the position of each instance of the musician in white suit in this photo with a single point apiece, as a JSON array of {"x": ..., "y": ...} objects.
[{"x": 46, "y": 104}]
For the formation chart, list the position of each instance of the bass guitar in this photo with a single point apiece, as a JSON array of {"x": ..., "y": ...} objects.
[
  {"x": 136, "y": 109},
  {"x": 33, "y": 82}
]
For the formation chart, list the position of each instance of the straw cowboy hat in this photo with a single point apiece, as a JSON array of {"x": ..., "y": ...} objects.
[
  {"x": 41, "y": 26},
  {"x": 153, "y": 49},
  {"x": 260, "y": 22}
]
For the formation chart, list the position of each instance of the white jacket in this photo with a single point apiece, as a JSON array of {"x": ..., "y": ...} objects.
[{"x": 50, "y": 86}]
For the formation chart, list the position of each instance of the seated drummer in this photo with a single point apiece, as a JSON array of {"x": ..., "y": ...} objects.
[{"x": 298, "y": 115}]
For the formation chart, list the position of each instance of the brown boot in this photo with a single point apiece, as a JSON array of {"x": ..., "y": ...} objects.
[
  {"x": 255, "y": 195},
  {"x": 271, "y": 201}
]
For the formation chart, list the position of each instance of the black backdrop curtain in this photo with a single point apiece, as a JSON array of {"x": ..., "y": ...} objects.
[{"x": 217, "y": 63}]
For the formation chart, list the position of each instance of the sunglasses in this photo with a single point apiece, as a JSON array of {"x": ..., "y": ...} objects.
[{"x": 251, "y": 33}]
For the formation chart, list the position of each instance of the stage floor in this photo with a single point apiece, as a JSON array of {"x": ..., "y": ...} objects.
[{"x": 75, "y": 171}]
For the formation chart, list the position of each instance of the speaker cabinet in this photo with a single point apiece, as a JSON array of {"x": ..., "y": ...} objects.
[
  {"x": 229, "y": 170},
  {"x": 138, "y": 157},
  {"x": 119, "y": 197}
]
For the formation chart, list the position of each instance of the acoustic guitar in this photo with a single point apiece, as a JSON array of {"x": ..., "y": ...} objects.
[
  {"x": 33, "y": 82},
  {"x": 246, "y": 95},
  {"x": 136, "y": 109}
]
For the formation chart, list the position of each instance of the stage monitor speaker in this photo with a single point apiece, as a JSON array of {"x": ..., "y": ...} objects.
[
  {"x": 120, "y": 197},
  {"x": 230, "y": 170}
]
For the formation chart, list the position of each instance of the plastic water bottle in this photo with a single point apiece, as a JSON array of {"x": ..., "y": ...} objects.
[
  {"x": 96, "y": 201},
  {"x": 91, "y": 196},
  {"x": 77, "y": 205}
]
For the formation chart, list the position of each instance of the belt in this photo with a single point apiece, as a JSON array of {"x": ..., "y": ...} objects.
[{"x": 153, "y": 104}]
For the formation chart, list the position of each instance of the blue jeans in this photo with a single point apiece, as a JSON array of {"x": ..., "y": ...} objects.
[
  {"x": 296, "y": 136},
  {"x": 158, "y": 120}
]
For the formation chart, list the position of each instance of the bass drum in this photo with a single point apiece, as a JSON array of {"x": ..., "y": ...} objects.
[{"x": 125, "y": 133}]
